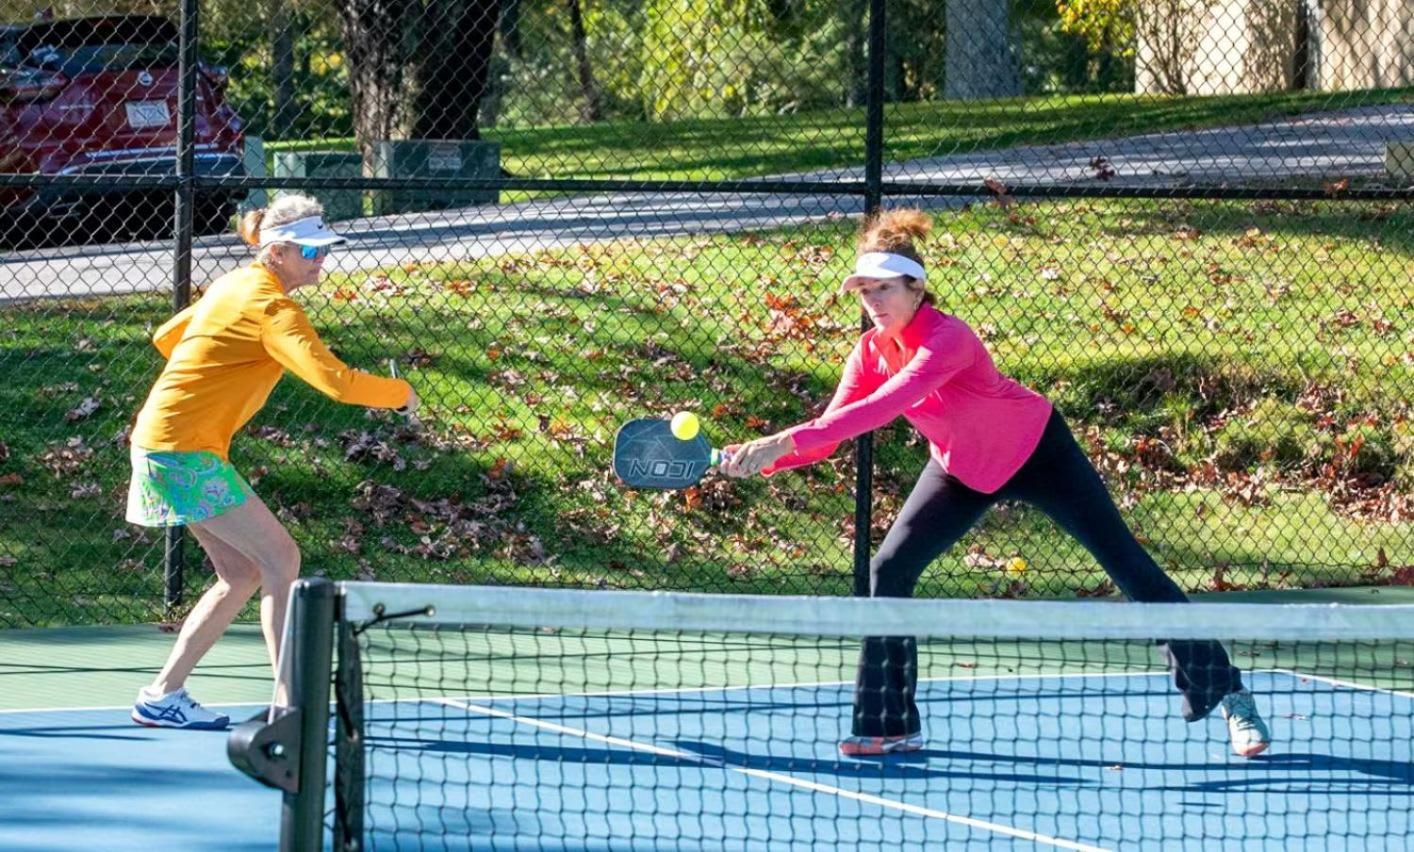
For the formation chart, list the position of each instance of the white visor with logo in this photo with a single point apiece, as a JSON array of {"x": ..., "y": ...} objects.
[{"x": 309, "y": 231}]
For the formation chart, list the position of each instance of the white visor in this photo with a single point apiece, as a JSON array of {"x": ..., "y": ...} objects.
[
  {"x": 309, "y": 231},
  {"x": 874, "y": 265}
]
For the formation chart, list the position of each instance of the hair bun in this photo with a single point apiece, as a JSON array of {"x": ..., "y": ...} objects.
[
  {"x": 895, "y": 229},
  {"x": 249, "y": 227}
]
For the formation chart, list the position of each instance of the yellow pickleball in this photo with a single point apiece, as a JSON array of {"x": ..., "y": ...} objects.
[
  {"x": 684, "y": 425},
  {"x": 1016, "y": 565}
]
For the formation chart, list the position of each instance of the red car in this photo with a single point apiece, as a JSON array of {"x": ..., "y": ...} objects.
[{"x": 98, "y": 96}]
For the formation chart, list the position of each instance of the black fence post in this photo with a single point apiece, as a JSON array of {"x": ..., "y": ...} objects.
[
  {"x": 174, "y": 553},
  {"x": 874, "y": 191}
]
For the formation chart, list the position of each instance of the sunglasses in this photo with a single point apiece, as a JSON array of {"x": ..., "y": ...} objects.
[{"x": 313, "y": 252}]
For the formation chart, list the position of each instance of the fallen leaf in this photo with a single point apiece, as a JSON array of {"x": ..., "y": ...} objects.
[
  {"x": 1000, "y": 194},
  {"x": 86, "y": 489},
  {"x": 84, "y": 409}
]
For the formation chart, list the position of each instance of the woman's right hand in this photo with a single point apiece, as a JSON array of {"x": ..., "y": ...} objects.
[{"x": 755, "y": 456}]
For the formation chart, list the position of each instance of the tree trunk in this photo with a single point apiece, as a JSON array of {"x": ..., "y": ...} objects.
[
  {"x": 453, "y": 67},
  {"x": 510, "y": 27},
  {"x": 980, "y": 59},
  {"x": 282, "y": 70},
  {"x": 590, "y": 110},
  {"x": 375, "y": 35},
  {"x": 857, "y": 52}
]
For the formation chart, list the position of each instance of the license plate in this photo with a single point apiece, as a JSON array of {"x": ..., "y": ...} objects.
[
  {"x": 444, "y": 158},
  {"x": 144, "y": 114}
]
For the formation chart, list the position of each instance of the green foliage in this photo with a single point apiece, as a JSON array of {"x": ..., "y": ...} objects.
[
  {"x": 1368, "y": 449},
  {"x": 1402, "y": 436},
  {"x": 702, "y": 59},
  {"x": 1058, "y": 59},
  {"x": 1089, "y": 48},
  {"x": 239, "y": 38},
  {"x": 1107, "y": 26},
  {"x": 654, "y": 60},
  {"x": 1274, "y": 432}
]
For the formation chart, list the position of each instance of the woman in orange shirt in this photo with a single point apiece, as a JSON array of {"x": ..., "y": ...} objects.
[{"x": 225, "y": 353}]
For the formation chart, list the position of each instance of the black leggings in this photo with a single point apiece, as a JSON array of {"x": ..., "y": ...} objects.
[{"x": 1059, "y": 480}]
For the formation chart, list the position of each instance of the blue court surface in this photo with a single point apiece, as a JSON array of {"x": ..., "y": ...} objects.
[
  {"x": 91, "y": 779},
  {"x": 1083, "y": 761}
]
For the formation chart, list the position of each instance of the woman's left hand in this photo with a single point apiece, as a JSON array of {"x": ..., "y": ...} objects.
[{"x": 755, "y": 456}]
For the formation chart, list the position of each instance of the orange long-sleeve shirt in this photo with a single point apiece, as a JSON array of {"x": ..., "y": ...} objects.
[{"x": 226, "y": 352}]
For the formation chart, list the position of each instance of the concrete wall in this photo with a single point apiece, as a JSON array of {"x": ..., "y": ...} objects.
[
  {"x": 1219, "y": 47},
  {"x": 1365, "y": 44}
]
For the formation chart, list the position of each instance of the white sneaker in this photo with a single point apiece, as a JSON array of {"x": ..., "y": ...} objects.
[
  {"x": 175, "y": 710},
  {"x": 1245, "y": 727}
]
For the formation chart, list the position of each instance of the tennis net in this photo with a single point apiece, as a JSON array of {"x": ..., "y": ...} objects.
[{"x": 513, "y": 718}]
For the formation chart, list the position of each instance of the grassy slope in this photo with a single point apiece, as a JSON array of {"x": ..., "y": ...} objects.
[{"x": 1144, "y": 321}]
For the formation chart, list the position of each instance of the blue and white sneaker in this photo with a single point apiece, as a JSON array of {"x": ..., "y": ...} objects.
[
  {"x": 1245, "y": 727},
  {"x": 175, "y": 710}
]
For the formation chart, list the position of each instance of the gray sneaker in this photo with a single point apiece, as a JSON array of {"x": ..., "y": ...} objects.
[
  {"x": 878, "y": 746},
  {"x": 1249, "y": 733}
]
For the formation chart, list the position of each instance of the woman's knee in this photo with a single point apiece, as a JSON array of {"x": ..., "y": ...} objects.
[
  {"x": 242, "y": 580},
  {"x": 280, "y": 561}
]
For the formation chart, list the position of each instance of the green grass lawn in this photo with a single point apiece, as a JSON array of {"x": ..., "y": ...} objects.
[
  {"x": 721, "y": 149},
  {"x": 1241, "y": 372}
]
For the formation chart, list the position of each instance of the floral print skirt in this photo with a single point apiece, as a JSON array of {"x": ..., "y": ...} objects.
[{"x": 171, "y": 489}]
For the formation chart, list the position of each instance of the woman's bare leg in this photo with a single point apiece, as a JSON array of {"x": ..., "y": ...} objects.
[{"x": 249, "y": 547}]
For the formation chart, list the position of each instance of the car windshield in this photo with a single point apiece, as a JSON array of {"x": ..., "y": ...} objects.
[
  {"x": 9, "y": 50},
  {"x": 103, "y": 57},
  {"x": 87, "y": 46}
]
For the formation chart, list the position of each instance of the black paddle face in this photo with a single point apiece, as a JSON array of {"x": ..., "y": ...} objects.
[{"x": 648, "y": 455}]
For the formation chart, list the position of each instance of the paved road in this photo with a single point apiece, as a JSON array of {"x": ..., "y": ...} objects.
[{"x": 1347, "y": 143}]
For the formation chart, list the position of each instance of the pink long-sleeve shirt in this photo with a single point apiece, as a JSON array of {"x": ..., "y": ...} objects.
[{"x": 981, "y": 426}]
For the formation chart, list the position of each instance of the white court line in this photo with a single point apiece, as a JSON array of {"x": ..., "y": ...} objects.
[
  {"x": 1346, "y": 683},
  {"x": 680, "y": 690},
  {"x": 251, "y": 704},
  {"x": 780, "y": 778},
  {"x": 689, "y": 689},
  {"x": 622, "y": 692}
]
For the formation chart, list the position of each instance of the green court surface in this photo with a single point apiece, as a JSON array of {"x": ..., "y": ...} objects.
[{"x": 78, "y": 667}]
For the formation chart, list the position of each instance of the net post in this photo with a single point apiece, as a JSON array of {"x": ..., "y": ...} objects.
[
  {"x": 348, "y": 742},
  {"x": 310, "y": 633}
]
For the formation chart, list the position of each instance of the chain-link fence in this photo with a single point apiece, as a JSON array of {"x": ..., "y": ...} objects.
[{"x": 1186, "y": 223}]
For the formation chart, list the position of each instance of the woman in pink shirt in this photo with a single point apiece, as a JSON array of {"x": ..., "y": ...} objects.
[{"x": 990, "y": 439}]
